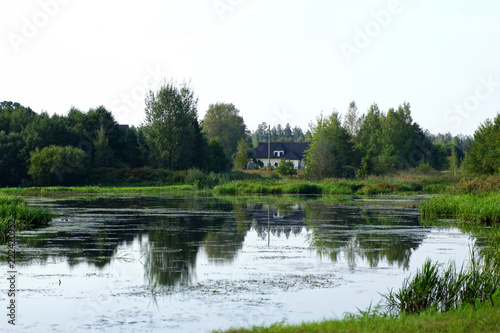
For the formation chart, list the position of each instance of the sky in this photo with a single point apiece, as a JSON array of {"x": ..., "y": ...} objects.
[{"x": 281, "y": 61}]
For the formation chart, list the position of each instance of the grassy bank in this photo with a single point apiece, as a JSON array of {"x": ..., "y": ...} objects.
[
  {"x": 243, "y": 183},
  {"x": 481, "y": 208},
  {"x": 103, "y": 190},
  {"x": 14, "y": 210},
  {"x": 410, "y": 183},
  {"x": 475, "y": 200},
  {"x": 481, "y": 318}
]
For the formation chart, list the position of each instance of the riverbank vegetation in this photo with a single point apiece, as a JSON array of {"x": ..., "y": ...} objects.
[
  {"x": 14, "y": 210},
  {"x": 143, "y": 182},
  {"x": 480, "y": 318},
  {"x": 89, "y": 148},
  {"x": 475, "y": 200}
]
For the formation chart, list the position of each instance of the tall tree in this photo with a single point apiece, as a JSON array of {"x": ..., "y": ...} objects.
[
  {"x": 13, "y": 167},
  {"x": 351, "y": 120},
  {"x": 330, "y": 149},
  {"x": 103, "y": 155},
  {"x": 171, "y": 132},
  {"x": 484, "y": 154},
  {"x": 223, "y": 122},
  {"x": 241, "y": 156},
  {"x": 260, "y": 135}
]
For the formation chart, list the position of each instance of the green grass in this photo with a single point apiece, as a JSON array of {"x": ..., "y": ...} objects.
[
  {"x": 481, "y": 208},
  {"x": 15, "y": 210},
  {"x": 480, "y": 318},
  {"x": 62, "y": 190},
  {"x": 444, "y": 289}
]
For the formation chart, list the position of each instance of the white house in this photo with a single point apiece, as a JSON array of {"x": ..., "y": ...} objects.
[{"x": 293, "y": 151}]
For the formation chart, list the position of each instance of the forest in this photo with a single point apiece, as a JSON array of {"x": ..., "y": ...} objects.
[{"x": 79, "y": 148}]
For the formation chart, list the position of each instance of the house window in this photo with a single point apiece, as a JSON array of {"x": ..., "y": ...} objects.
[
  {"x": 279, "y": 153},
  {"x": 275, "y": 164}
]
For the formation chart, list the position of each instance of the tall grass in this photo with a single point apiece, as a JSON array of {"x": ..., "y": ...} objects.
[
  {"x": 443, "y": 289},
  {"x": 482, "y": 208},
  {"x": 15, "y": 209}
]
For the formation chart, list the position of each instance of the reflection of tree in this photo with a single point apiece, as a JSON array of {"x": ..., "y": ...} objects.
[
  {"x": 284, "y": 219},
  {"x": 174, "y": 244},
  {"x": 364, "y": 233},
  {"x": 171, "y": 251},
  {"x": 176, "y": 228}
]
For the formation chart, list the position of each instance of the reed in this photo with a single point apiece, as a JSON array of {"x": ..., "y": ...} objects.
[
  {"x": 444, "y": 289},
  {"x": 14, "y": 209},
  {"x": 481, "y": 208}
]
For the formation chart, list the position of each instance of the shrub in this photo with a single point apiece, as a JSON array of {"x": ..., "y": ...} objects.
[
  {"x": 193, "y": 175},
  {"x": 57, "y": 165},
  {"x": 286, "y": 168},
  {"x": 424, "y": 168}
]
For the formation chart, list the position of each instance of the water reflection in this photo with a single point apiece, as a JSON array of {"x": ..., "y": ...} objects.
[
  {"x": 172, "y": 231},
  {"x": 369, "y": 234}
]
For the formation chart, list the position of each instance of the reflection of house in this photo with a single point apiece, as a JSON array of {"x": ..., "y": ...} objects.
[
  {"x": 293, "y": 151},
  {"x": 291, "y": 215}
]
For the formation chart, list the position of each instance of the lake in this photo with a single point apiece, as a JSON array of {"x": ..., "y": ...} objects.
[{"x": 195, "y": 263}]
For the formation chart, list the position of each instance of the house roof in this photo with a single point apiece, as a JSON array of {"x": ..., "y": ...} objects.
[{"x": 292, "y": 150}]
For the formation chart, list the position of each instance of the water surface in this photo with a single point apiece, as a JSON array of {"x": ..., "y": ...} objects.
[{"x": 200, "y": 263}]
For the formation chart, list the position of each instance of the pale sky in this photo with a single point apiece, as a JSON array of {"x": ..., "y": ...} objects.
[{"x": 276, "y": 61}]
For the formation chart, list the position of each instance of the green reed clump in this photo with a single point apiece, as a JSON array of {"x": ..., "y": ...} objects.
[
  {"x": 302, "y": 188},
  {"x": 15, "y": 209},
  {"x": 435, "y": 188},
  {"x": 343, "y": 187},
  {"x": 481, "y": 208},
  {"x": 440, "y": 289}
]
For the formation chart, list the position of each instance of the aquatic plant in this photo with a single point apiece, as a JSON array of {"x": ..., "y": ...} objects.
[
  {"x": 481, "y": 208},
  {"x": 433, "y": 287},
  {"x": 15, "y": 210}
]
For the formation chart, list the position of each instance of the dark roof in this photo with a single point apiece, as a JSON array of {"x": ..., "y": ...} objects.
[{"x": 293, "y": 150}]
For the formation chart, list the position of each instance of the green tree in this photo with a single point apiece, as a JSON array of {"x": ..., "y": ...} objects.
[
  {"x": 12, "y": 160},
  {"x": 103, "y": 154},
  {"x": 223, "y": 122},
  {"x": 241, "y": 156},
  {"x": 219, "y": 161},
  {"x": 58, "y": 165},
  {"x": 287, "y": 132},
  {"x": 330, "y": 150},
  {"x": 352, "y": 120},
  {"x": 484, "y": 154},
  {"x": 260, "y": 134},
  {"x": 172, "y": 126},
  {"x": 454, "y": 163},
  {"x": 286, "y": 168}
]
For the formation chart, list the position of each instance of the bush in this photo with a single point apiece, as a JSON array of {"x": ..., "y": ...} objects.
[
  {"x": 194, "y": 175},
  {"x": 58, "y": 165},
  {"x": 286, "y": 168},
  {"x": 424, "y": 168}
]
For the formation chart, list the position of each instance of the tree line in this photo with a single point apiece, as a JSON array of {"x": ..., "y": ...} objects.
[
  {"x": 378, "y": 142},
  {"x": 38, "y": 149}
]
